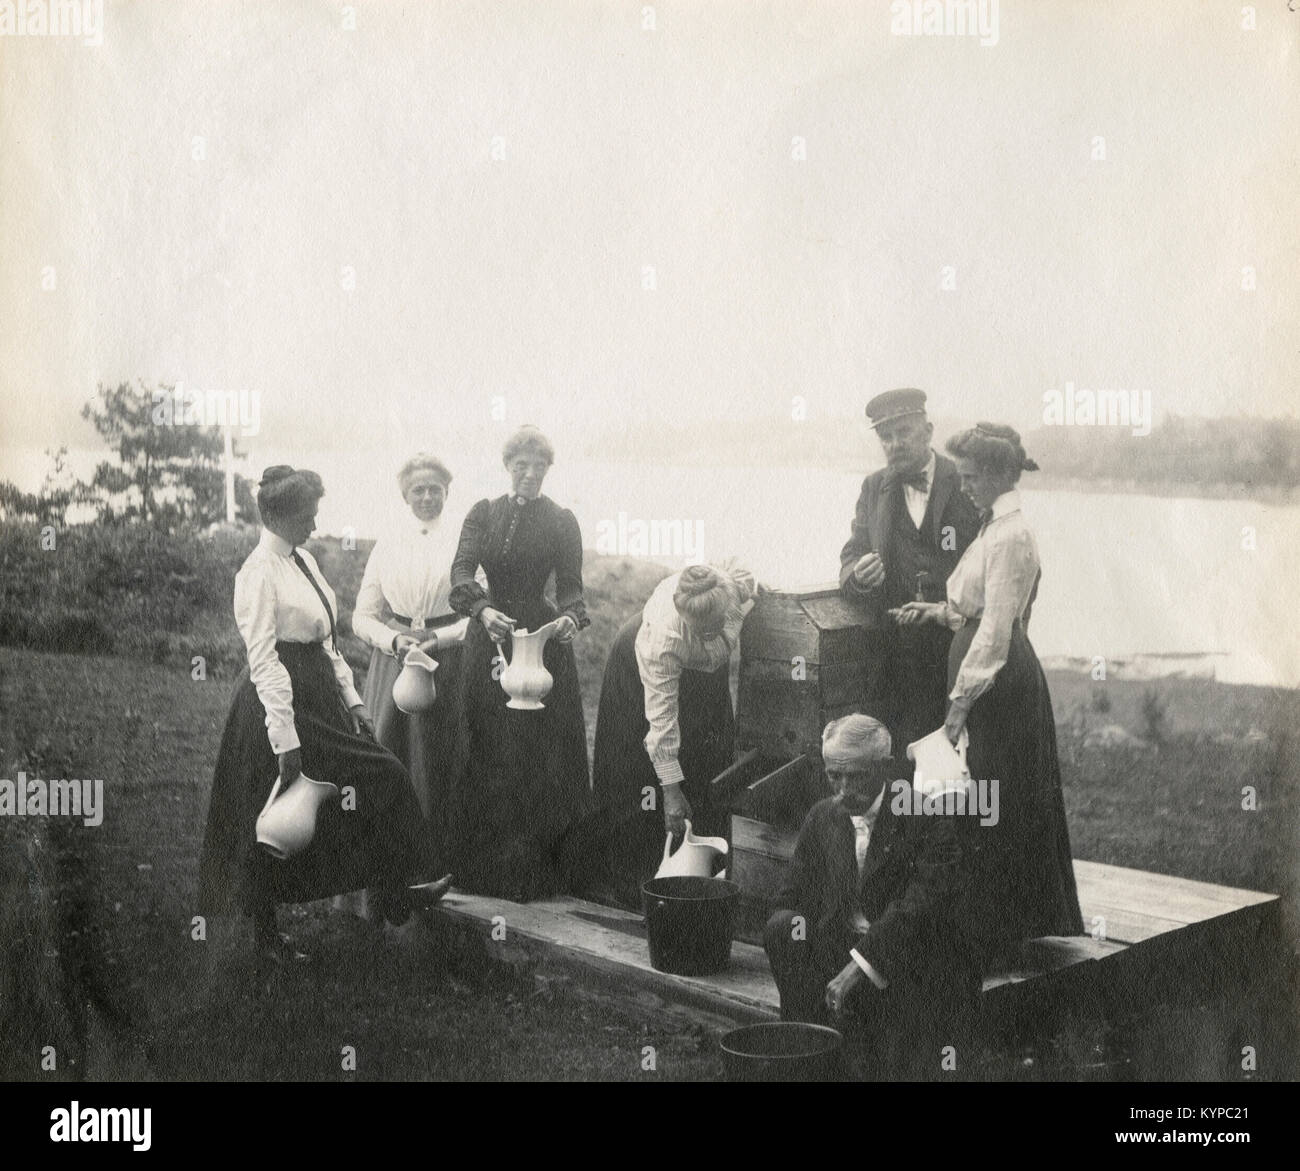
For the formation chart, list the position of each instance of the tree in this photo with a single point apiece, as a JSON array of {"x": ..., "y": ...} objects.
[
  {"x": 168, "y": 472},
  {"x": 49, "y": 505}
]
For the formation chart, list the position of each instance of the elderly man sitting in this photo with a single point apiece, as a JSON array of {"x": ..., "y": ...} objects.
[{"x": 872, "y": 922}]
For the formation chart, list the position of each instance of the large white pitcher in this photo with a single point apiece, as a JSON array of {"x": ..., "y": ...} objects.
[
  {"x": 694, "y": 857},
  {"x": 526, "y": 680},
  {"x": 287, "y": 824}
]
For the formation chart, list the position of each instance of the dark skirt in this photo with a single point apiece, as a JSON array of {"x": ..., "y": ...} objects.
[
  {"x": 377, "y": 843},
  {"x": 621, "y": 768},
  {"x": 427, "y": 743},
  {"x": 1022, "y": 869},
  {"x": 525, "y": 778}
]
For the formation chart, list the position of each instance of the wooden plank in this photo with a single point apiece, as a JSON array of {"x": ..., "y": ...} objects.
[
  {"x": 571, "y": 930},
  {"x": 1181, "y": 899},
  {"x": 1137, "y": 905}
]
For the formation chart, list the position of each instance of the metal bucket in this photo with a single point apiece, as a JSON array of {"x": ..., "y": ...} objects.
[
  {"x": 782, "y": 1051},
  {"x": 689, "y": 922}
]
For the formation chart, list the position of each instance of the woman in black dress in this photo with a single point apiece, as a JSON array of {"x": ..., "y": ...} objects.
[
  {"x": 526, "y": 776},
  {"x": 1023, "y": 869},
  {"x": 295, "y": 711}
]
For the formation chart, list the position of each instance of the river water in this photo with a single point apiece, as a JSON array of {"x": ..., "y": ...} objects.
[{"x": 1123, "y": 575}]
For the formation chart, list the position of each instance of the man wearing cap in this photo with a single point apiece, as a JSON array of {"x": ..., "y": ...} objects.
[
  {"x": 909, "y": 531},
  {"x": 871, "y": 923}
]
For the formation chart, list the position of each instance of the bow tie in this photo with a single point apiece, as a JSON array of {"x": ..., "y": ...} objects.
[{"x": 917, "y": 480}]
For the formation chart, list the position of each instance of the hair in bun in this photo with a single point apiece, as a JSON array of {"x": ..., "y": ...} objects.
[
  {"x": 702, "y": 595},
  {"x": 995, "y": 447},
  {"x": 283, "y": 491}
]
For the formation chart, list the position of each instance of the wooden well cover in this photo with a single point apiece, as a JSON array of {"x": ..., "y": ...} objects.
[{"x": 804, "y": 658}]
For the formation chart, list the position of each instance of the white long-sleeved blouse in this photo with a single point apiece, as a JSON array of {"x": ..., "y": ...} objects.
[
  {"x": 994, "y": 582},
  {"x": 411, "y": 574},
  {"x": 274, "y": 601},
  {"x": 665, "y": 647}
]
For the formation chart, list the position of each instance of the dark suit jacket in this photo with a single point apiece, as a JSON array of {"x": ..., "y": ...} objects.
[
  {"x": 910, "y": 891},
  {"x": 881, "y": 493}
]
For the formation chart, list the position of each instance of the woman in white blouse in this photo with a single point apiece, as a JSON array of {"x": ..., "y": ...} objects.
[
  {"x": 295, "y": 712},
  {"x": 403, "y": 603},
  {"x": 665, "y": 726},
  {"x": 997, "y": 692}
]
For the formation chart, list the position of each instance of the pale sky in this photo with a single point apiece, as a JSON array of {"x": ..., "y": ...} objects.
[{"x": 371, "y": 150}]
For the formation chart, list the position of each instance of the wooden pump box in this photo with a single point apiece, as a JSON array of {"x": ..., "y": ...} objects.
[
  {"x": 805, "y": 655},
  {"x": 804, "y": 658}
]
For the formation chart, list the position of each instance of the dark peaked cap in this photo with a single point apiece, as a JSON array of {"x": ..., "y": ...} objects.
[{"x": 894, "y": 404}]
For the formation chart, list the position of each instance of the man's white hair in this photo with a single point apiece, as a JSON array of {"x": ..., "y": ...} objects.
[{"x": 856, "y": 737}]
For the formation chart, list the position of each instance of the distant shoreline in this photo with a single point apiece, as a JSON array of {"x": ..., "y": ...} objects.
[{"x": 1178, "y": 489}]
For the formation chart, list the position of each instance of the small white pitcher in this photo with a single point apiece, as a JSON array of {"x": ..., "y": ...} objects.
[{"x": 413, "y": 689}]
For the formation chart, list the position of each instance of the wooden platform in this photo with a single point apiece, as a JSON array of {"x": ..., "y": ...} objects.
[{"x": 1160, "y": 932}]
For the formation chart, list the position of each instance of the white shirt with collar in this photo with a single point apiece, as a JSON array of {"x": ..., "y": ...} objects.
[
  {"x": 665, "y": 647},
  {"x": 410, "y": 571},
  {"x": 863, "y": 825},
  {"x": 916, "y": 500},
  {"x": 993, "y": 582},
  {"x": 274, "y": 602}
]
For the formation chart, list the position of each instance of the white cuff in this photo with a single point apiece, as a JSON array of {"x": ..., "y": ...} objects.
[
  {"x": 669, "y": 772},
  {"x": 283, "y": 739},
  {"x": 875, "y": 977}
]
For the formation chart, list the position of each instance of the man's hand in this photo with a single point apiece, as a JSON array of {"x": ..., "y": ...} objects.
[
  {"x": 290, "y": 767},
  {"x": 837, "y": 991},
  {"x": 361, "y": 721},
  {"x": 565, "y": 628},
  {"x": 869, "y": 572},
  {"x": 676, "y": 810}
]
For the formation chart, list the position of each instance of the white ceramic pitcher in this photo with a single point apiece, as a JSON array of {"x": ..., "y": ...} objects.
[
  {"x": 413, "y": 689},
  {"x": 694, "y": 857},
  {"x": 287, "y": 822},
  {"x": 526, "y": 679}
]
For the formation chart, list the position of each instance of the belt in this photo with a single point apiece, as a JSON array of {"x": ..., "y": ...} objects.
[{"x": 426, "y": 623}]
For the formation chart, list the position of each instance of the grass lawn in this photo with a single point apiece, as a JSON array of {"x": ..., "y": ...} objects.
[{"x": 96, "y": 922}]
